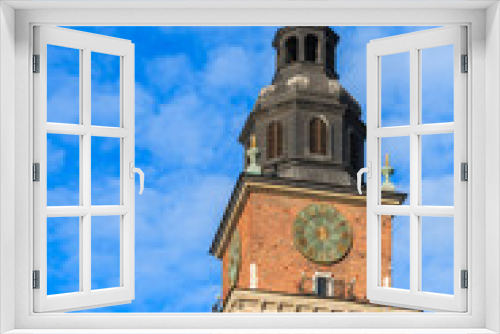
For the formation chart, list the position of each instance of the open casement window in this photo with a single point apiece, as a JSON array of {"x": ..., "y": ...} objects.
[
  {"x": 417, "y": 131},
  {"x": 88, "y": 138}
]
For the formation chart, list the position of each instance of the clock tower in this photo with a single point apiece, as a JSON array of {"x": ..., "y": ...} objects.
[{"x": 293, "y": 235}]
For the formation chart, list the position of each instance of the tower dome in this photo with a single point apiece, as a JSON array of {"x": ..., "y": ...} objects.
[
  {"x": 306, "y": 125},
  {"x": 309, "y": 49}
]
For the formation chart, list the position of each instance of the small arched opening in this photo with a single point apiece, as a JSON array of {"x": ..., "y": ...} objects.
[
  {"x": 311, "y": 50},
  {"x": 291, "y": 46}
]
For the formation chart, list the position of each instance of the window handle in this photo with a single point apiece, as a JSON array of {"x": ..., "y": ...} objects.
[
  {"x": 138, "y": 171},
  {"x": 367, "y": 170}
]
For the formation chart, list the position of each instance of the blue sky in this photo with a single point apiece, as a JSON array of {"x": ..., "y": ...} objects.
[{"x": 195, "y": 87}]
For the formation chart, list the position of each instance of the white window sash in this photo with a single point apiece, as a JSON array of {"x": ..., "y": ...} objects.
[
  {"x": 86, "y": 297},
  {"x": 412, "y": 43}
]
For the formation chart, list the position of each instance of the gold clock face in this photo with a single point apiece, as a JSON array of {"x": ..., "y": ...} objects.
[
  {"x": 322, "y": 234},
  {"x": 234, "y": 258}
]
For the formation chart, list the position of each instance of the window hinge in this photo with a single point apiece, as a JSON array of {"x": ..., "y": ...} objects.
[
  {"x": 465, "y": 279},
  {"x": 464, "y": 171},
  {"x": 36, "y": 279},
  {"x": 36, "y": 63},
  {"x": 36, "y": 172},
  {"x": 465, "y": 64}
]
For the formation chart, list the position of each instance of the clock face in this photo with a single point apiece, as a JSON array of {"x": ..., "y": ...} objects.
[
  {"x": 234, "y": 258},
  {"x": 322, "y": 234}
]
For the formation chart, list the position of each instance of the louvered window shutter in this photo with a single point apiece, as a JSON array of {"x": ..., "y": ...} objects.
[
  {"x": 322, "y": 137},
  {"x": 312, "y": 136},
  {"x": 279, "y": 139}
]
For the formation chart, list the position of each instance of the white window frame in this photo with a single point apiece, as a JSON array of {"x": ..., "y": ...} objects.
[
  {"x": 413, "y": 44},
  {"x": 16, "y": 217},
  {"x": 86, "y": 297}
]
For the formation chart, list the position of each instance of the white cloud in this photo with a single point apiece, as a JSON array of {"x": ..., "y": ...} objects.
[
  {"x": 174, "y": 229},
  {"x": 210, "y": 37},
  {"x": 144, "y": 101},
  {"x": 235, "y": 67},
  {"x": 199, "y": 298},
  {"x": 175, "y": 226},
  {"x": 68, "y": 195},
  {"x": 105, "y": 104},
  {"x": 168, "y": 72},
  {"x": 351, "y": 65},
  {"x": 438, "y": 190},
  {"x": 192, "y": 127},
  {"x": 55, "y": 158},
  {"x": 179, "y": 241},
  {"x": 63, "y": 102},
  {"x": 186, "y": 132}
]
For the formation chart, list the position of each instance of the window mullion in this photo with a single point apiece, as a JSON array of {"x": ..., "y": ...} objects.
[
  {"x": 415, "y": 261},
  {"x": 418, "y": 166},
  {"x": 85, "y": 160},
  {"x": 81, "y": 203}
]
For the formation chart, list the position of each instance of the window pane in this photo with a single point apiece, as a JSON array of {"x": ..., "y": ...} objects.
[
  {"x": 437, "y": 169},
  {"x": 63, "y": 170},
  {"x": 63, "y": 255},
  {"x": 63, "y": 85},
  {"x": 105, "y": 252},
  {"x": 105, "y": 171},
  {"x": 395, "y": 89},
  {"x": 395, "y": 252},
  {"x": 437, "y": 254},
  {"x": 437, "y": 84},
  {"x": 395, "y": 169},
  {"x": 105, "y": 89}
]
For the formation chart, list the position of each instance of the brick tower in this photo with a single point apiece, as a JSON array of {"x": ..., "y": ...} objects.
[{"x": 293, "y": 236}]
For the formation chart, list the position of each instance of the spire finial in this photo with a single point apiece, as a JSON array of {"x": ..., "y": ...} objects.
[
  {"x": 252, "y": 152},
  {"x": 253, "y": 141},
  {"x": 387, "y": 171}
]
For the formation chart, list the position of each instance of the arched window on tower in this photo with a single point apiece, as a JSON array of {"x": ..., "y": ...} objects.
[
  {"x": 274, "y": 140},
  {"x": 291, "y": 45},
  {"x": 317, "y": 136},
  {"x": 311, "y": 50}
]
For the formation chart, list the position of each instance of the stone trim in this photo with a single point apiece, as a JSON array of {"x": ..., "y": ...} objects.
[{"x": 255, "y": 301}]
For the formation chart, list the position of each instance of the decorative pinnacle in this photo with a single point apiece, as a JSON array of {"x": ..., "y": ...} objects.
[
  {"x": 387, "y": 171},
  {"x": 253, "y": 141},
  {"x": 252, "y": 152}
]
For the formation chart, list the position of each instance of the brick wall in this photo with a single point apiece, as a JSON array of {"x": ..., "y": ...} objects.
[{"x": 266, "y": 234}]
